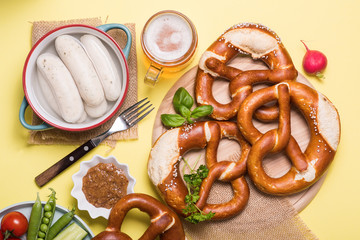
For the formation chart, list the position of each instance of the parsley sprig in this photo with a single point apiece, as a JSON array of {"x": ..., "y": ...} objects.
[{"x": 193, "y": 183}]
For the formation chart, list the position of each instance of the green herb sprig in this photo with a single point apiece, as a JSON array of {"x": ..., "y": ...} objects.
[
  {"x": 183, "y": 102},
  {"x": 193, "y": 182}
]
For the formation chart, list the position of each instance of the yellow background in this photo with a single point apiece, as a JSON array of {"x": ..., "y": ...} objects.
[{"x": 332, "y": 27}]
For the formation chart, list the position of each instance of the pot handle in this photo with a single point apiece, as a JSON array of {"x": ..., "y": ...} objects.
[
  {"x": 109, "y": 26},
  {"x": 23, "y": 107}
]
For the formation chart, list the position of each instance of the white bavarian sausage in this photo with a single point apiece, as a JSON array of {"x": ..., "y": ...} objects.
[
  {"x": 81, "y": 68},
  {"x": 47, "y": 93},
  {"x": 97, "y": 111},
  {"x": 82, "y": 118},
  {"x": 62, "y": 86},
  {"x": 104, "y": 65},
  {"x": 50, "y": 98}
]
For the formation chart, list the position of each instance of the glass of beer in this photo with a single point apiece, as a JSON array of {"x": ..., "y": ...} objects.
[{"x": 169, "y": 41}]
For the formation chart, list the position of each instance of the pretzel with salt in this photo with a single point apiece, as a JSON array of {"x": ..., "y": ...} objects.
[
  {"x": 164, "y": 222},
  {"x": 308, "y": 166},
  {"x": 251, "y": 39},
  {"x": 166, "y": 154}
]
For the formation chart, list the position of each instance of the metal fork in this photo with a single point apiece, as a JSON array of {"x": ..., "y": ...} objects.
[{"x": 127, "y": 119}]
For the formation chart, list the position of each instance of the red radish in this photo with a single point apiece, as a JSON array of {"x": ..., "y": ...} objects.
[{"x": 314, "y": 62}]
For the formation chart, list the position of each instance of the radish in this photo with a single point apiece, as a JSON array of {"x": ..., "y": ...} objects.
[{"x": 314, "y": 62}]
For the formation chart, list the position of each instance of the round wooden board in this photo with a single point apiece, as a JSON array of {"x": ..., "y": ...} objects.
[{"x": 275, "y": 165}]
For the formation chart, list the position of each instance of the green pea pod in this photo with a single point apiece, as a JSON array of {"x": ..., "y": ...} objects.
[
  {"x": 35, "y": 219},
  {"x": 48, "y": 215},
  {"x": 60, "y": 224}
]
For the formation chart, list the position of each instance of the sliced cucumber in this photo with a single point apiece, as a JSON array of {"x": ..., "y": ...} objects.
[{"x": 72, "y": 232}]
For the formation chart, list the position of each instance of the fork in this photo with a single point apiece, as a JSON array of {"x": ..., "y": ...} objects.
[{"x": 127, "y": 119}]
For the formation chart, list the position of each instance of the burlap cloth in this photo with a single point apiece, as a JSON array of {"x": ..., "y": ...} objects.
[
  {"x": 265, "y": 217},
  {"x": 57, "y": 136}
]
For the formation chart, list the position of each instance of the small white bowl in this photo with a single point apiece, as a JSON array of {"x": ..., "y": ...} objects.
[{"x": 77, "y": 178}]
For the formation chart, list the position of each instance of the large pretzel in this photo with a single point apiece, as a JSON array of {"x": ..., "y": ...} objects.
[
  {"x": 164, "y": 222},
  {"x": 251, "y": 39},
  {"x": 163, "y": 166},
  {"x": 323, "y": 121}
]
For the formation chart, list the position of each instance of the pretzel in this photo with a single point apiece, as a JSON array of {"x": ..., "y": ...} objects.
[
  {"x": 164, "y": 222},
  {"x": 251, "y": 39},
  {"x": 323, "y": 121},
  {"x": 166, "y": 154}
]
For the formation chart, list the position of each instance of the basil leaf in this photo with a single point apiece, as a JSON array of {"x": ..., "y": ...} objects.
[
  {"x": 184, "y": 111},
  {"x": 172, "y": 120},
  {"x": 182, "y": 97},
  {"x": 202, "y": 111}
]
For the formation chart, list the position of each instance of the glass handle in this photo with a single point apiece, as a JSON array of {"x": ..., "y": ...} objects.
[{"x": 152, "y": 75}]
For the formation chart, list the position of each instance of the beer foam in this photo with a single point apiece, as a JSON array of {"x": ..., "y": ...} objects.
[{"x": 168, "y": 37}]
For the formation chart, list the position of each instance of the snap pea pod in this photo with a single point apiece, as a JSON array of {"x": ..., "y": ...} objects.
[
  {"x": 48, "y": 216},
  {"x": 60, "y": 224},
  {"x": 35, "y": 219}
]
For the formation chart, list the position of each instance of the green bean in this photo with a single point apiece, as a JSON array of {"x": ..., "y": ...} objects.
[
  {"x": 35, "y": 219},
  {"x": 48, "y": 212},
  {"x": 60, "y": 224}
]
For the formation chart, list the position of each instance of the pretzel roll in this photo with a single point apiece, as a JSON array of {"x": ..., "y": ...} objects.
[
  {"x": 167, "y": 152},
  {"x": 164, "y": 222},
  {"x": 251, "y": 39},
  {"x": 323, "y": 121}
]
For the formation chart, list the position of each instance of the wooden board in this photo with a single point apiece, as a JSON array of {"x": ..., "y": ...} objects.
[{"x": 275, "y": 165}]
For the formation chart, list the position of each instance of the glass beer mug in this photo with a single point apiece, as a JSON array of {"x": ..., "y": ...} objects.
[{"x": 169, "y": 41}]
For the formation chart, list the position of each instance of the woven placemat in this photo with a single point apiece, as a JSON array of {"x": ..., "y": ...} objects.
[{"x": 57, "y": 136}]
